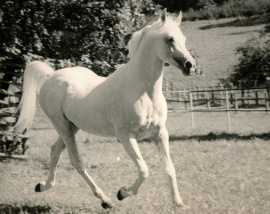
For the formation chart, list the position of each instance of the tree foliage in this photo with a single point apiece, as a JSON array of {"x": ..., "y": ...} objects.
[
  {"x": 253, "y": 68},
  {"x": 254, "y": 64},
  {"x": 70, "y": 32}
]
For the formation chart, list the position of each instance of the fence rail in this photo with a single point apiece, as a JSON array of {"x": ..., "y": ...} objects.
[
  {"x": 218, "y": 100},
  {"x": 237, "y": 97}
]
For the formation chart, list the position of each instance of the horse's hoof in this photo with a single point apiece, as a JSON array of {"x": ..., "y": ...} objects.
[
  {"x": 183, "y": 206},
  {"x": 119, "y": 195},
  {"x": 106, "y": 205},
  {"x": 37, "y": 188}
]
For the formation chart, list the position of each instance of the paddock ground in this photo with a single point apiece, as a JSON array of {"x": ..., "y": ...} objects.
[{"x": 217, "y": 172}]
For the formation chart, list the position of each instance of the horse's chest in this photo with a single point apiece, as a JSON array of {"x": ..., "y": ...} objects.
[
  {"x": 147, "y": 130},
  {"x": 148, "y": 118}
]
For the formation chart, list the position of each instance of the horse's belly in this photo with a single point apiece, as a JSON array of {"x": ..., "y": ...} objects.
[
  {"x": 96, "y": 127},
  {"x": 90, "y": 117}
]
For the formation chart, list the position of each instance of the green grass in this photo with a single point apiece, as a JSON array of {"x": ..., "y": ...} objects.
[
  {"x": 219, "y": 176},
  {"x": 242, "y": 123},
  {"x": 217, "y": 171}
]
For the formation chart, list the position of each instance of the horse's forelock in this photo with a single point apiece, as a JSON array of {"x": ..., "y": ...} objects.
[{"x": 136, "y": 38}]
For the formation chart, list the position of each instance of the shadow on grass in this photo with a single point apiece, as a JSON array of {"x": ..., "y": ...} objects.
[
  {"x": 221, "y": 136},
  {"x": 245, "y": 22},
  {"x": 6, "y": 208}
]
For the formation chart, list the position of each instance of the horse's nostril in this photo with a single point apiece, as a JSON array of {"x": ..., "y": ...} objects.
[{"x": 188, "y": 65}]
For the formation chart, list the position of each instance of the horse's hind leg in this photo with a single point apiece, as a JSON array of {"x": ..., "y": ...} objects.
[
  {"x": 56, "y": 151},
  {"x": 66, "y": 130},
  {"x": 132, "y": 149}
]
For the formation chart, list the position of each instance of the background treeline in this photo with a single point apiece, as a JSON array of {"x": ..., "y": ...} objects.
[{"x": 215, "y": 9}]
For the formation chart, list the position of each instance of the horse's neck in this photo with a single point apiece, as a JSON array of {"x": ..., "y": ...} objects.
[{"x": 147, "y": 69}]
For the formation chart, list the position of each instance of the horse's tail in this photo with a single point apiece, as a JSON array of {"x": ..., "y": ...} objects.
[{"x": 35, "y": 74}]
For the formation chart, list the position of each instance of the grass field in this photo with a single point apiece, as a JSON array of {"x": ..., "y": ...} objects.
[
  {"x": 217, "y": 172},
  {"x": 218, "y": 176}
]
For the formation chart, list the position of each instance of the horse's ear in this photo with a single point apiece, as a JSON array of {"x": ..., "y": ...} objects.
[
  {"x": 163, "y": 16},
  {"x": 179, "y": 19}
]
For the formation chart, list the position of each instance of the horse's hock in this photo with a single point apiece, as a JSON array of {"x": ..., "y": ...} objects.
[{"x": 11, "y": 144}]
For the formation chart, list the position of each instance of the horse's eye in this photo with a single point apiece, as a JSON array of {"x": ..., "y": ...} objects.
[{"x": 170, "y": 39}]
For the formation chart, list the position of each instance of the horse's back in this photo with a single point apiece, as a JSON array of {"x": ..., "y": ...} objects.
[
  {"x": 65, "y": 83},
  {"x": 78, "y": 78}
]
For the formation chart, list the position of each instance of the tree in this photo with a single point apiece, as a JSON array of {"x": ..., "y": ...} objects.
[
  {"x": 254, "y": 64},
  {"x": 253, "y": 68},
  {"x": 79, "y": 32}
]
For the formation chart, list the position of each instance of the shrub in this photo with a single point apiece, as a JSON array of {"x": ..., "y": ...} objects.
[{"x": 254, "y": 64}]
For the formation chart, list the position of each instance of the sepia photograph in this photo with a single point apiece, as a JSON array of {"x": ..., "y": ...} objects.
[{"x": 134, "y": 106}]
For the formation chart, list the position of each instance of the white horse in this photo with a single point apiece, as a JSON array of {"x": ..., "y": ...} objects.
[{"x": 129, "y": 104}]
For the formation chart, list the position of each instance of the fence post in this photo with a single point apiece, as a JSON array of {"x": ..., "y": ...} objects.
[
  {"x": 213, "y": 97},
  {"x": 266, "y": 102},
  {"x": 248, "y": 94},
  {"x": 185, "y": 102},
  {"x": 236, "y": 101},
  {"x": 257, "y": 98},
  {"x": 191, "y": 110},
  {"x": 185, "y": 98},
  {"x": 171, "y": 89},
  {"x": 221, "y": 94},
  {"x": 231, "y": 97},
  {"x": 208, "y": 101},
  {"x": 228, "y": 110},
  {"x": 243, "y": 94}
]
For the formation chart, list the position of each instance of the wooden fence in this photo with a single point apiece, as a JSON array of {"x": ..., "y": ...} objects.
[
  {"x": 217, "y": 99},
  {"x": 11, "y": 145}
]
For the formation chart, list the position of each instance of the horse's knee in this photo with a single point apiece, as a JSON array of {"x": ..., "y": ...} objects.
[
  {"x": 144, "y": 172},
  {"x": 81, "y": 171},
  {"x": 170, "y": 170},
  {"x": 57, "y": 147},
  {"x": 171, "y": 174},
  {"x": 79, "y": 167}
]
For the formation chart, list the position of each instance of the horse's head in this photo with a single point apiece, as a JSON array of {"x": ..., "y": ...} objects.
[{"x": 171, "y": 44}]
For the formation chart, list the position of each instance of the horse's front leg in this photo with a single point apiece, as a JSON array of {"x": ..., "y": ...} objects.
[
  {"x": 163, "y": 141},
  {"x": 131, "y": 147}
]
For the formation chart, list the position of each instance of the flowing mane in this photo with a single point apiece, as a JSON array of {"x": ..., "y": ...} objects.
[{"x": 134, "y": 43}]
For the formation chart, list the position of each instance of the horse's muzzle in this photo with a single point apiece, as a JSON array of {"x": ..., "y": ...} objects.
[
  {"x": 188, "y": 68},
  {"x": 188, "y": 65}
]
